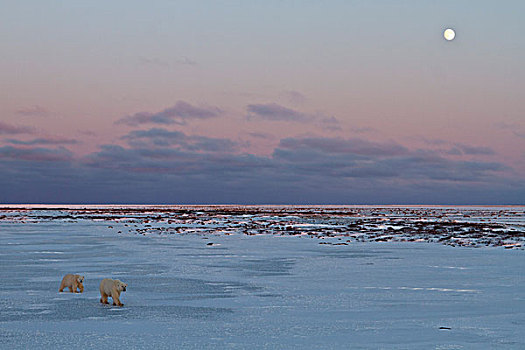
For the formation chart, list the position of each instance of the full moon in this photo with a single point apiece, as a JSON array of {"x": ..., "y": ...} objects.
[{"x": 449, "y": 34}]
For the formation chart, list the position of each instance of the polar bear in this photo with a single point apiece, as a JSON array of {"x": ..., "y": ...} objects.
[
  {"x": 72, "y": 282},
  {"x": 111, "y": 288}
]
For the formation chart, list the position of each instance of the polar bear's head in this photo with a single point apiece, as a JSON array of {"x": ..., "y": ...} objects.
[
  {"x": 121, "y": 286},
  {"x": 80, "y": 279}
]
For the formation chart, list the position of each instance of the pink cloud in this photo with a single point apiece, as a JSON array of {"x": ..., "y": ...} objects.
[{"x": 8, "y": 129}]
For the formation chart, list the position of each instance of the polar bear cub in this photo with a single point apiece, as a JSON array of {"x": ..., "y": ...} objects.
[
  {"x": 111, "y": 288},
  {"x": 72, "y": 282}
]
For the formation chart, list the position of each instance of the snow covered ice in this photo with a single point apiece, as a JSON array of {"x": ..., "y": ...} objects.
[{"x": 253, "y": 290}]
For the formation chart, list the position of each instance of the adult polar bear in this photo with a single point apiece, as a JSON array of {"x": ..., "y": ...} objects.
[
  {"x": 72, "y": 282},
  {"x": 111, "y": 288}
]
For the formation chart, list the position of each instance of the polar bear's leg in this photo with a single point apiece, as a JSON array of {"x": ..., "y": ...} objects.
[
  {"x": 61, "y": 289},
  {"x": 81, "y": 287},
  {"x": 115, "y": 296},
  {"x": 71, "y": 289},
  {"x": 104, "y": 299}
]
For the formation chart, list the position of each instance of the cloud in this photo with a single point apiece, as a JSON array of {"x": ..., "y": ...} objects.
[
  {"x": 260, "y": 135},
  {"x": 186, "y": 61},
  {"x": 153, "y": 62},
  {"x": 454, "y": 151},
  {"x": 303, "y": 160},
  {"x": 432, "y": 142},
  {"x": 294, "y": 97},
  {"x": 87, "y": 132},
  {"x": 475, "y": 150},
  {"x": 177, "y": 162},
  {"x": 35, "y": 154},
  {"x": 8, "y": 129},
  {"x": 275, "y": 112},
  {"x": 179, "y": 114},
  {"x": 457, "y": 149},
  {"x": 165, "y": 138},
  {"x": 506, "y": 126},
  {"x": 356, "y": 158},
  {"x": 424, "y": 165},
  {"x": 515, "y": 128},
  {"x": 340, "y": 145},
  {"x": 520, "y": 134},
  {"x": 44, "y": 141},
  {"x": 163, "y": 166},
  {"x": 34, "y": 111},
  {"x": 330, "y": 124}
]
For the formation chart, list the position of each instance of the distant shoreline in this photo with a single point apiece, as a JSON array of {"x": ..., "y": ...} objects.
[{"x": 73, "y": 205}]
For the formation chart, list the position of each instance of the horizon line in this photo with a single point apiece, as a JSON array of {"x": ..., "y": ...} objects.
[{"x": 3, "y": 205}]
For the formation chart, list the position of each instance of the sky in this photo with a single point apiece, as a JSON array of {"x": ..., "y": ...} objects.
[{"x": 262, "y": 102}]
